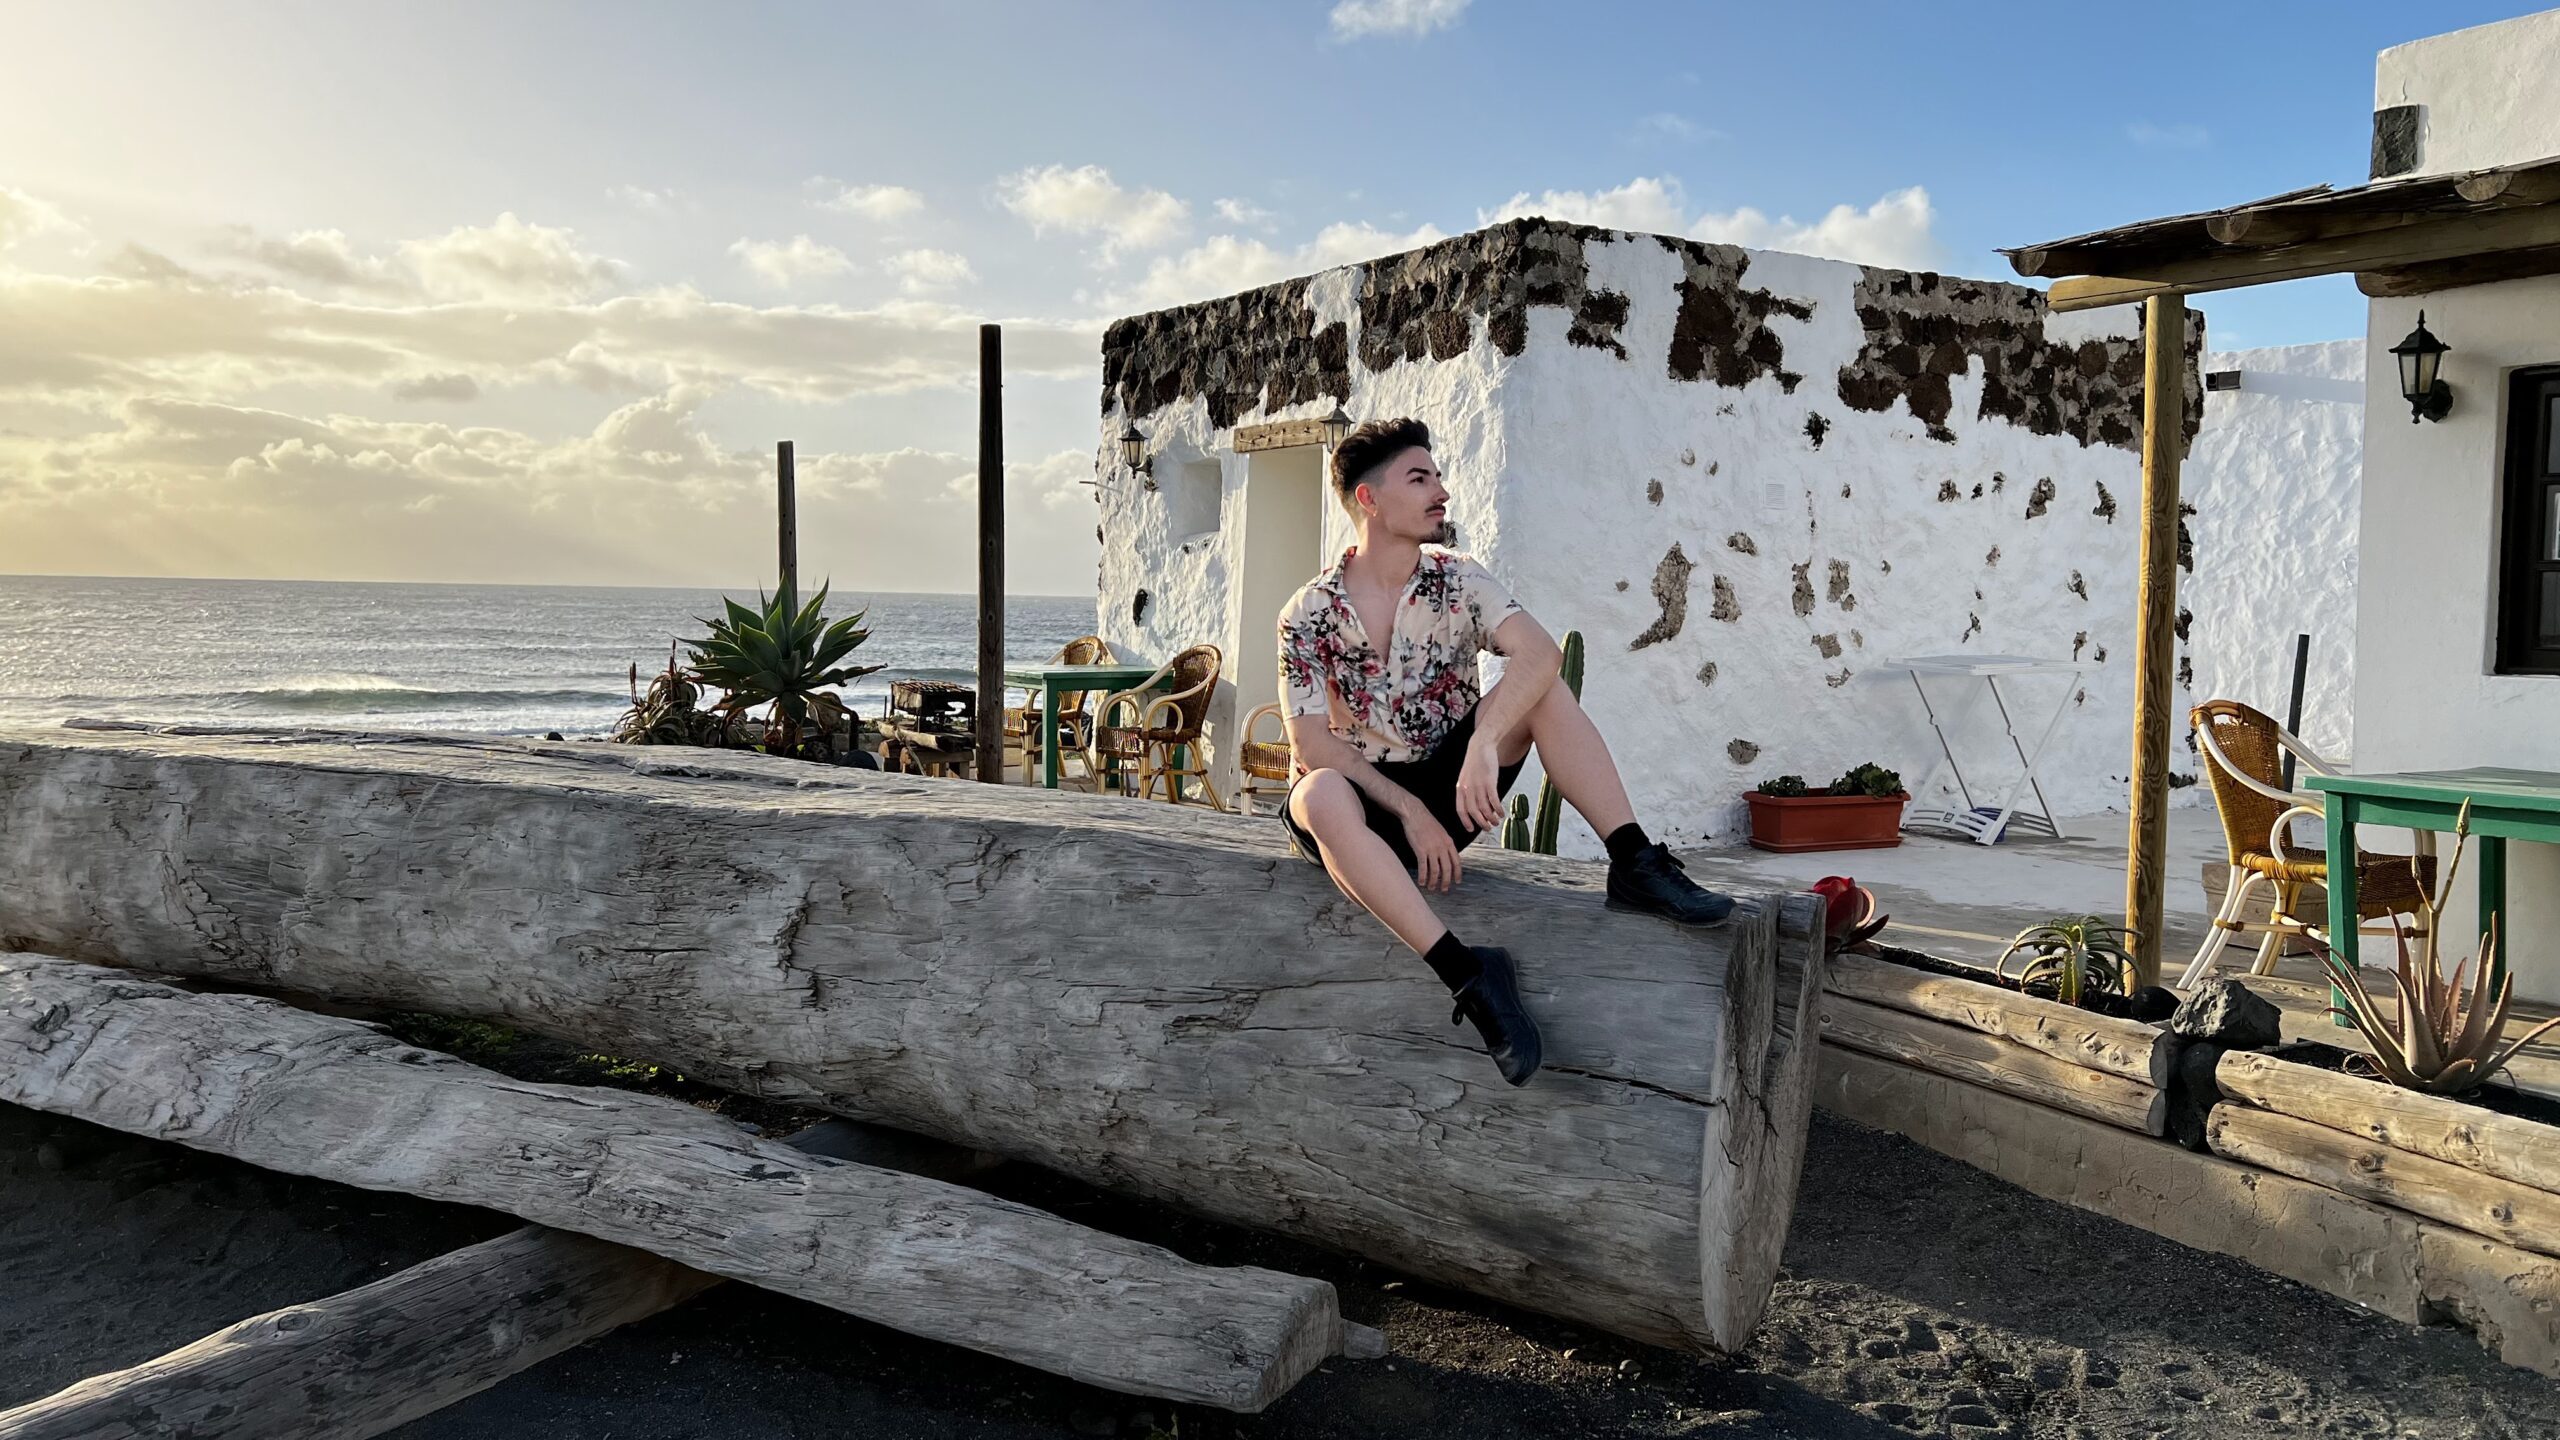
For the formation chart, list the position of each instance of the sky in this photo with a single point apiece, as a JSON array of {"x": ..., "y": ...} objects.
[{"x": 526, "y": 293}]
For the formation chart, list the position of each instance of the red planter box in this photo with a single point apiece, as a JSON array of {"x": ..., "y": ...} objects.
[{"x": 1826, "y": 822}]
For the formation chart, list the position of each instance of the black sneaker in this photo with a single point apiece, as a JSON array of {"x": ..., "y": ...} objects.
[
  {"x": 1492, "y": 1001},
  {"x": 1656, "y": 883}
]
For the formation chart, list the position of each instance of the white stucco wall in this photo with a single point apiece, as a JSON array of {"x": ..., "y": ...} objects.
[
  {"x": 2274, "y": 476},
  {"x": 1575, "y": 469},
  {"x": 2489, "y": 95},
  {"x": 2427, "y": 696}
]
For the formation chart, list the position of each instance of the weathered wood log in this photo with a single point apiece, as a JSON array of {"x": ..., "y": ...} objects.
[
  {"x": 372, "y": 1359},
  {"x": 1154, "y": 999},
  {"x": 2525, "y": 1218},
  {"x": 259, "y": 1081},
  {"x": 1994, "y": 1064},
  {"x": 2085, "y": 1038},
  {"x": 2509, "y": 1147}
]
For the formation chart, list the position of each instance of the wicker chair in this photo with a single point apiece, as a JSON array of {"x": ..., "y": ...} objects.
[
  {"x": 1142, "y": 729},
  {"x": 1265, "y": 763},
  {"x": 2244, "y": 761},
  {"x": 1075, "y": 727}
]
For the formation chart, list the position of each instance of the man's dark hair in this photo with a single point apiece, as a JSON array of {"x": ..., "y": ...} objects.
[{"x": 1371, "y": 445}]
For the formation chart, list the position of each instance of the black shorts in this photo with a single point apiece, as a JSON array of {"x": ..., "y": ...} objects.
[{"x": 1433, "y": 780}]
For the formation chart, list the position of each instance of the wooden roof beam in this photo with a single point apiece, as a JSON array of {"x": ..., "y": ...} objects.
[
  {"x": 2437, "y": 275},
  {"x": 2438, "y": 238}
]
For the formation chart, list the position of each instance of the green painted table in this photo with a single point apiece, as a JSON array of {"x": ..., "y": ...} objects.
[
  {"x": 2505, "y": 805},
  {"x": 1052, "y": 681}
]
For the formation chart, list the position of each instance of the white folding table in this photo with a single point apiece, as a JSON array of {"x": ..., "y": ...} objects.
[{"x": 1984, "y": 824}]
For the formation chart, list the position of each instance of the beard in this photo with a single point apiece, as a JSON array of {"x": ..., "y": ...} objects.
[{"x": 1444, "y": 533}]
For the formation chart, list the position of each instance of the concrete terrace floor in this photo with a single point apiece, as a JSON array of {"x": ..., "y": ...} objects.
[{"x": 1963, "y": 901}]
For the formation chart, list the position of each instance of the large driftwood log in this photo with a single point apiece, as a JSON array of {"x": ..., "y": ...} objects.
[
  {"x": 1155, "y": 999},
  {"x": 1993, "y": 1063},
  {"x": 259, "y": 1081},
  {"x": 2139, "y": 1052}
]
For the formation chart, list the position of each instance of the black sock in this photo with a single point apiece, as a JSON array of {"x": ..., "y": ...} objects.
[
  {"x": 1625, "y": 841},
  {"x": 1452, "y": 961}
]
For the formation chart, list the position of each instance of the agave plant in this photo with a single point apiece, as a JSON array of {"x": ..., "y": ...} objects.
[
  {"x": 669, "y": 712},
  {"x": 2071, "y": 960},
  {"x": 2445, "y": 1037},
  {"x": 783, "y": 654}
]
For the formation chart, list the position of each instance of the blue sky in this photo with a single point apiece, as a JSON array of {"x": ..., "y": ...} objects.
[{"x": 506, "y": 291}]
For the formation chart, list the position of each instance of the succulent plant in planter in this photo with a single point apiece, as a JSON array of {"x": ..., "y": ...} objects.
[
  {"x": 2073, "y": 960},
  {"x": 1862, "y": 810}
]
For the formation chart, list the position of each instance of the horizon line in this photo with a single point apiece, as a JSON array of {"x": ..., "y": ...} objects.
[{"x": 502, "y": 584}]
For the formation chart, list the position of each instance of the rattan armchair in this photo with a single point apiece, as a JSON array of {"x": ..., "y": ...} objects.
[
  {"x": 1265, "y": 763},
  {"x": 1159, "y": 735},
  {"x": 1075, "y": 726},
  {"x": 2244, "y": 754}
]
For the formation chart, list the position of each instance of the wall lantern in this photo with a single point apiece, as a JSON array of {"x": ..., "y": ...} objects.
[
  {"x": 1133, "y": 453},
  {"x": 2421, "y": 357},
  {"x": 1337, "y": 427}
]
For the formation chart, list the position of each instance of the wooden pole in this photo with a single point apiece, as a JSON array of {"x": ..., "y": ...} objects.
[
  {"x": 787, "y": 503},
  {"x": 990, "y": 766},
  {"x": 2164, "y": 410}
]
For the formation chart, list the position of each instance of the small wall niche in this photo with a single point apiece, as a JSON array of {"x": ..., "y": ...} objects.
[{"x": 1192, "y": 496}]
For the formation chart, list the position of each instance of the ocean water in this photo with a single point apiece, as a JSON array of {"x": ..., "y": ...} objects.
[{"x": 496, "y": 659}]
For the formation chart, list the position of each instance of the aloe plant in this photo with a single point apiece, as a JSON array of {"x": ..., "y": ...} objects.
[
  {"x": 783, "y": 654},
  {"x": 2072, "y": 959},
  {"x": 2445, "y": 1038}
]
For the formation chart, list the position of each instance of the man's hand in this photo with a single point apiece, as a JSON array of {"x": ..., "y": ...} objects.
[
  {"x": 1480, "y": 788},
  {"x": 1435, "y": 854}
]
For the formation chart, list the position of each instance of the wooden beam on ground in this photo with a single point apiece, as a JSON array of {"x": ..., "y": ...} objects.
[
  {"x": 1158, "y": 1000},
  {"x": 2164, "y": 441},
  {"x": 1278, "y": 435},
  {"x": 2455, "y": 1132},
  {"x": 2450, "y": 237},
  {"x": 2129, "y": 1048},
  {"x": 259, "y": 1081},
  {"x": 369, "y": 1360},
  {"x": 2502, "y": 1210},
  {"x": 990, "y": 723},
  {"x": 1994, "y": 1064}
]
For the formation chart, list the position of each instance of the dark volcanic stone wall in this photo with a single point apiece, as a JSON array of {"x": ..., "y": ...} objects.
[
  {"x": 1722, "y": 331},
  {"x": 1426, "y": 302},
  {"x": 1923, "y": 329},
  {"x": 1259, "y": 348}
]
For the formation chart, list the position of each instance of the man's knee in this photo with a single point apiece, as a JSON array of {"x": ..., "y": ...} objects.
[{"x": 1325, "y": 799}]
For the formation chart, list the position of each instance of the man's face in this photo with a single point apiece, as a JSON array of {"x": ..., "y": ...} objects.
[{"x": 1405, "y": 498}]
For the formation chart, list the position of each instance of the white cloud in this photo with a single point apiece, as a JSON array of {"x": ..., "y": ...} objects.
[
  {"x": 871, "y": 202},
  {"x": 2185, "y": 136},
  {"x": 1894, "y": 231},
  {"x": 920, "y": 271},
  {"x": 1664, "y": 125},
  {"x": 1353, "y": 19},
  {"x": 326, "y": 257},
  {"x": 1225, "y": 264},
  {"x": 1644, "y": 203},
  {"x": 22, "y": 215},
  {"x": 1244, "y": 212},
  {"x": 784, "y": 263},
  {"x": 508, "y": 260},
  {"x": 650, "y": 202},
  {"x": 1087, "y": 201}
]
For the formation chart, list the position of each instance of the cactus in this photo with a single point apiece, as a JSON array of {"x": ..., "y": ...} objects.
[
  {"x": 1515, "y": 825},
  {"x": 1551, "y": 804}
]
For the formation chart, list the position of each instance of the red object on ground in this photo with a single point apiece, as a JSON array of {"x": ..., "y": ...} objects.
[{"x": 1792, "y": 823}]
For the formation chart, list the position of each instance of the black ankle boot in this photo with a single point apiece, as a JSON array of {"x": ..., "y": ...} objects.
[
  {"x": 1652, "y": 881},
  {"x": 1492, "y": 1001}
]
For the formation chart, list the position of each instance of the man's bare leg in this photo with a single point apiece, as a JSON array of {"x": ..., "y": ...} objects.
[
  {"x": 1480, "y": 978},
  {"x": 1642, "y": 875},
  {"x": 1361, "y": 863}
]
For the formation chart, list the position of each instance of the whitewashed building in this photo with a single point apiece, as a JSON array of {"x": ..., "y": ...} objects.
[{"x": 1748, "y": 478}]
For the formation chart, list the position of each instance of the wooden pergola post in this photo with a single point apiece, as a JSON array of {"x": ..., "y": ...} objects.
[
  {"x": 990, "y": 733},
  {"x": 2164, "y": 414}
]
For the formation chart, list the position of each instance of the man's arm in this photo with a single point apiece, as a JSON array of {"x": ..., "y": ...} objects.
[
  {"x": 1318, "y": 748},
  {"x": 1531, "y": 661}
]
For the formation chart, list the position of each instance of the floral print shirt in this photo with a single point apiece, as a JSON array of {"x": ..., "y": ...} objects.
[{"x": 1399, "y": 701}]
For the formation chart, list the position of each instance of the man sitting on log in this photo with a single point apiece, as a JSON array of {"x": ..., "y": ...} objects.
[{"x": 1401, "y": 764}]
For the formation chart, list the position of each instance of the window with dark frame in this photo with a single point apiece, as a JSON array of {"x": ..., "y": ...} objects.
[{"x": 2529, "y": 560}]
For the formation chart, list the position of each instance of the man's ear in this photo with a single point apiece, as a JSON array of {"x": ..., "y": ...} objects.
[{"x": 1361, "y": 497}]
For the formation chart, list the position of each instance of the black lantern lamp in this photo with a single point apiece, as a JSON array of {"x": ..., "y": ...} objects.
[
  {"x": 1337, "y": 427},
  {"x": 2421, "y": 358},
  {"x": 1133, "y": 452}
]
